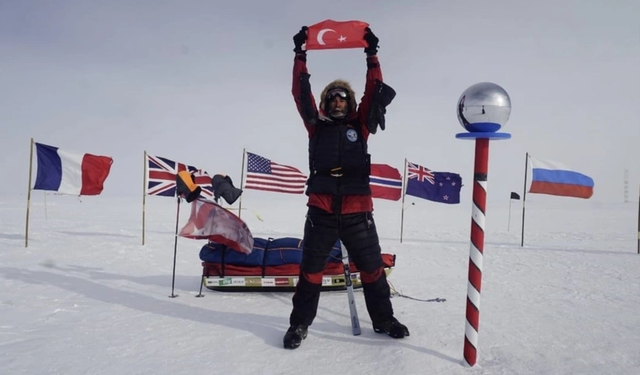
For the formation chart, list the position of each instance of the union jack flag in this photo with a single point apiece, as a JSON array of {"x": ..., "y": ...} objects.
[
  {"x": 161, "y": 177},
  {"x": 420, "y": 173}
]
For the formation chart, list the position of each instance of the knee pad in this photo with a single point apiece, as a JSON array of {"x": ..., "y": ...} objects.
[
  {"x": 369, "y": 260},
  {"x": 372, "y": 277}
]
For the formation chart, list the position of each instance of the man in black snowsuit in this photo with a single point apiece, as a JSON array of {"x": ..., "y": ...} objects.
[{"x": 340, "y": 202}]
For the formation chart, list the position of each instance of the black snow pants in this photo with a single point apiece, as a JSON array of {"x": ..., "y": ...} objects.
[{"x": 358, "y": 233}]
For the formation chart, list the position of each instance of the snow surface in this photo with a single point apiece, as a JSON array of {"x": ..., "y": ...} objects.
[{"x": 85, "y": 297}]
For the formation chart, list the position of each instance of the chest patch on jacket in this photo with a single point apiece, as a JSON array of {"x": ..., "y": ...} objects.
[{"x": 352, "y": 135}]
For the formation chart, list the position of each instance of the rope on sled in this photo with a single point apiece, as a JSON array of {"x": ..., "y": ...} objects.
[{"x": 395, "y": 292}]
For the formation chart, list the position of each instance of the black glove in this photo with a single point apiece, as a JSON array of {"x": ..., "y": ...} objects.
[
  {"x": 299, "y": 39},
  {"x": 372, "y": 41},
  {"x": 382, "y": 96}
]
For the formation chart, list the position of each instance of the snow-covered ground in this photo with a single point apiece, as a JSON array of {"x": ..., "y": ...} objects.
[{"x": 86, "y": 297}]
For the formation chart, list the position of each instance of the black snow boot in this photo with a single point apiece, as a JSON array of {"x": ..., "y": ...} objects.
[
  {"x": 392, "y": 327},
  {"x": 294, "y": 336}
]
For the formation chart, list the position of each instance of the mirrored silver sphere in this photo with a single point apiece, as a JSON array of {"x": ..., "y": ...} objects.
[{"x": 484, "y": 107}]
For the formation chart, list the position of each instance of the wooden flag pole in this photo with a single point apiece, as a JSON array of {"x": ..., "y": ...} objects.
[
  {"x": 26, "y": 231},
  {"x": 404, "y": 182},
  {"x": 144, "y": 193},
  {"x": 524, "y": 196},
  {"x": 244, "y": 152}
]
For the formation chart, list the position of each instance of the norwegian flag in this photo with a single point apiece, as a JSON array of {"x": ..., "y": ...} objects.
[
  {"x": 385, "y": 182},
  {"x": 161, "y": 177}
]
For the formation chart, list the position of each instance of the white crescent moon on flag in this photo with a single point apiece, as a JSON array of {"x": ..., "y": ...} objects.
[{"x": 321, "y": 35}]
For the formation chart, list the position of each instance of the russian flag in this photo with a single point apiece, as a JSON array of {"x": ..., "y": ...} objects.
[
  {"x": 385, "y": 182},
  {"x": 70, "y": 172},
  {"x": 553, "y": 178}
]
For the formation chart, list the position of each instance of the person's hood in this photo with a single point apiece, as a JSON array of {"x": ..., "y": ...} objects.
[{"x": 336, "y": 84}]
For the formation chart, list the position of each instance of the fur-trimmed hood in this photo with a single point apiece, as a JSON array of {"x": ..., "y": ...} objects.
[{"x": 335, "y": 84}]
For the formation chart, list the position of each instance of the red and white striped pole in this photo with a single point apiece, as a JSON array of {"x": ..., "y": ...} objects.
[
  {"x": 476, "y": 250},
  {"x": 482, "y": 110}
]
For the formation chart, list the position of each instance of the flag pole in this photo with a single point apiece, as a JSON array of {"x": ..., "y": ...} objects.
[
  {"x": 509, "y": 222},
  {"x": 26, "y": 231},
  {"x": 45, "y": 204},
  {"x": 175, "y": 251},
  {"x": 144, "y": 193},
  {"x": 638, "y": 220},
  {"x": 404, "y": 181},
  {"x": 524, "y": 196},
  {"x": 241, "y": 183}
]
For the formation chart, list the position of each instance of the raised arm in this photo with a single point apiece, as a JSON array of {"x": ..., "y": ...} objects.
[
  {"x": 300, "y": 85},
  {"x": 377, "y": 95},
  {"x": 374, "y": 74}
]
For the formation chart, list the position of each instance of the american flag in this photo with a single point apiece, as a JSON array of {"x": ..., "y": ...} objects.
[
  {"x": 263, "y": 174},
  {"x": 161, "y": 177}
]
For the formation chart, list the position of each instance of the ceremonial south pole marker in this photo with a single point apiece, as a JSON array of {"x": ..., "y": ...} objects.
[{"x": 482, "y": 110}]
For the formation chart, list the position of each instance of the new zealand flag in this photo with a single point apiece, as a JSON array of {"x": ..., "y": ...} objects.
[{"x": 443, "y": 187}]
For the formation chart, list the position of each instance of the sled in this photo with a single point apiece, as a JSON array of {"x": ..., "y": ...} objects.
[{"x": 273, "y": 265}]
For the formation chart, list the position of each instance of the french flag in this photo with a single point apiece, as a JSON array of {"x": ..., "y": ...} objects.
[
  {"x": 385, "y": 182},
  {"x": 70, "y": 172},
  {"x": 553, "y": 178}
]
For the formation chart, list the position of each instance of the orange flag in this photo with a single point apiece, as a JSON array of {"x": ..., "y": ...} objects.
[{"x": 330, "y": 34}]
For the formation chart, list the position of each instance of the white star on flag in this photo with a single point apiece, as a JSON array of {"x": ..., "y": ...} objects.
[{"x": 342, "y": 38}]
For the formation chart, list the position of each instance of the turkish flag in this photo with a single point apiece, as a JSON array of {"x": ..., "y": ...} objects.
[{"x": 330, "y": 34}]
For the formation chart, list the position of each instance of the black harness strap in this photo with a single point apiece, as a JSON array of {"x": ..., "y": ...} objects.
[
  {"x": 264, "y": 258},
  {"x": 224, "y": 252}
]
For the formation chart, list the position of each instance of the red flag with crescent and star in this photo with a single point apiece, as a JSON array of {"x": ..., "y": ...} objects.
[{"x": 330, "y": 34}]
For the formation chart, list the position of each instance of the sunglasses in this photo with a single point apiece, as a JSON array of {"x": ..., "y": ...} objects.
[{"x": 337, "y": 92}]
